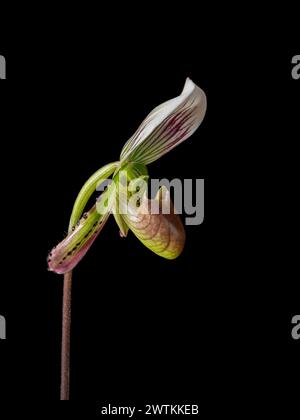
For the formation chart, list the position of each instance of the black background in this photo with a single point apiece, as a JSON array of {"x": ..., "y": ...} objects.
[{"x": 214, "y": 326}]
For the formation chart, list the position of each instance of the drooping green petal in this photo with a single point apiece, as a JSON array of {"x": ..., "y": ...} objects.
[
  {"x": 162, "y": 233},
  {"x": 67, "y": 254},
  {"x": 88, "y": 189},
  {"x": 166, "y": 126}
]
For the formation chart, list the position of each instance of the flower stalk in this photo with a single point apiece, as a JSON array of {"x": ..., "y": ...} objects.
[{"x": 66, "y": 336}]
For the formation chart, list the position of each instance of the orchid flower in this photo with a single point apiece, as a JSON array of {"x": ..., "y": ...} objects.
[{"x": 164, "y": 128}]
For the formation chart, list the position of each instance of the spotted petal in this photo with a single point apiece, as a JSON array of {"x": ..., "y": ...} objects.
[
  {"x": 167, "y": 126},
  {"x": 67, "y": 254},
  {"x": 88, "y": 189}
]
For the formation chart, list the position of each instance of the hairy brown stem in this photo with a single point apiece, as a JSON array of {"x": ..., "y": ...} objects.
[{"x": 65, "y": 343}]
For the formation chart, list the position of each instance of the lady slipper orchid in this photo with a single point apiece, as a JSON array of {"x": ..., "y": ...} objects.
[
  {"x": 163, "y": 129},
  {"x": 126, "y": 198}
]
